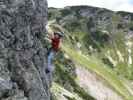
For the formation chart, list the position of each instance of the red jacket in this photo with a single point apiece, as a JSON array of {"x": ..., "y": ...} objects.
[{"x": 55, "y": 43}]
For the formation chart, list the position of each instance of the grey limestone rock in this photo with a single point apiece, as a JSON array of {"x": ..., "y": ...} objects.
[{"x": 22, "y": 54}]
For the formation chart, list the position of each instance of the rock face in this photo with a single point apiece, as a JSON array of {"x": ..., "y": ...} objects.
[{"x": 22, "y": 54}]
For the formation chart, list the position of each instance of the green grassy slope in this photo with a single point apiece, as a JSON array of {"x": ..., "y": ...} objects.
[
  {"x": 94, "y": 65},
  {"x": 63, "y": 77},
  {"x": 59, "y": 91},
  {"x": 111, "y": 32}
]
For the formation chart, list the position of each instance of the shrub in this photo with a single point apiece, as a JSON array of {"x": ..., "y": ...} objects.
[
  {"x": 131, "y": 26},
  {"x": 107, "y": 61},
  {"x": 120, "y": 26},
  {"x": 90, "y": 23},
  {"x": 65, "y": 12}
]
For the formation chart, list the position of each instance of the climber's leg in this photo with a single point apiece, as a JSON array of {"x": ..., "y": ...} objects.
[{"x": 50, "y": 59}]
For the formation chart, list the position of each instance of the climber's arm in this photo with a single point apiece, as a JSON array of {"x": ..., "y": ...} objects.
[
  {"x": 60, "y": 43},
  {"x": 49, "y": 37}
]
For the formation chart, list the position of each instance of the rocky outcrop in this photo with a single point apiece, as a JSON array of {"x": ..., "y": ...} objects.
[{"x": 22, "y": 55}]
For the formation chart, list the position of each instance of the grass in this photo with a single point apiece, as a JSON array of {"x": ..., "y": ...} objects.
[
  {"x": 66, "y": 77},
  {"x": 93, "y": 64},
  {"x": 58, "y": 91},
  {"x": 102, "y": 70}
]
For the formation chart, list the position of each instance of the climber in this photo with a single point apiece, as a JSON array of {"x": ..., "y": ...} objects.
[{"x": 56, "y": 39}]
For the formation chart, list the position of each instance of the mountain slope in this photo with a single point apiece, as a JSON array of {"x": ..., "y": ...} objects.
[
  {"x": 101, "y": 70},
  {"x": 100, "y": 32},
  {"x": 96, "y": 66},
  {"x": 105, "y": 38}
]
